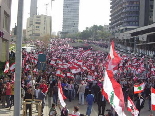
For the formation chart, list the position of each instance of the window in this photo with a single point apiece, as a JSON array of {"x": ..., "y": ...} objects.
[
  {"x": 37, "y": 26},
  {"x": 6, "y": 21},
  {"x": 37, "y": 22}
]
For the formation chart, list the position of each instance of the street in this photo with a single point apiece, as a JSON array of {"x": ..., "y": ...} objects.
[{"x": 70, "y": 105}]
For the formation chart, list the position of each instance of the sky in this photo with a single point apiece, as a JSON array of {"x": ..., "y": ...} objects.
[{"x": 91, "y": 12}]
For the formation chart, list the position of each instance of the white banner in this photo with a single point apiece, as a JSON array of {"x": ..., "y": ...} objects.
[{"x": 143, "y": 37}]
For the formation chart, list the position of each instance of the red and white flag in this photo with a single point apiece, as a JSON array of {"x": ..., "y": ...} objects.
[
  {"x": 139, "y": 88},
  {"x": 114, "y": 58},
  {"x": 61, "y": 95},
  {"x": 113, "y": 93},
  {"x": 131, "y": 107},
  {"x": 59, "y": 73},
  {"x": 12, "y": 67},
  {"x": 75, "y": 69},
  {"x": 34, "y": 60},
  {"x": 70, "y": 75},
  {"x": 153, "y": 98},
  {"x": 6, "y": 67},
  {"x": 52, "y": 62}
]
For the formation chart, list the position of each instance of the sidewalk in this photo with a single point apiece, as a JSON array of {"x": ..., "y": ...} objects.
[{"x": 7, "y": 112}]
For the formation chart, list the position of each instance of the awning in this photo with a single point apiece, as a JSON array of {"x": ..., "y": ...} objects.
[{"x": 145, "y": 43}]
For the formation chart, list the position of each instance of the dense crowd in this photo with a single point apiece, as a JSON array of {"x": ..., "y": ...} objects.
[{"x": 81, "y": 74}]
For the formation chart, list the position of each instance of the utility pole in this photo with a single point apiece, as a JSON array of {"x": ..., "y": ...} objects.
[{"x": 18, "y": 68}]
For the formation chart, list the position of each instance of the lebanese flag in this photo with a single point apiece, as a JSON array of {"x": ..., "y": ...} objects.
[
  {"x": 113, "y": 93},
  {"x": 70, "y": 75},
  {"x": 61, "y": 95},
  {"x": 153, "y": 98},
  {"x": 114, "y": 58},
  {"x": 35, "y": 70},
  {"x": 6, "y": 67},
  {"x": 80, "y": 62},
  {"x": 52, "y": 62},
  {"x": 131, "y": 107},
  {"x": 34, "y": 60},
  {"x": 59, "y": 73},
  {"x": 12, "y": 67},
  {"x": 139, "y": 88},
  {"x": 75, "y": 69}
]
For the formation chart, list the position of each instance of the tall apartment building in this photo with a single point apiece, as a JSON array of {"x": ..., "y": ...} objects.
[
  {"x": 33, "y": 8},
  {"x": 38, "y": 26},
  {"x": 5, "y": 18},
  {"x": 124, "y": 15},
  {"x": 146, "y": 12},
  {"x": 70, "y": 16}
]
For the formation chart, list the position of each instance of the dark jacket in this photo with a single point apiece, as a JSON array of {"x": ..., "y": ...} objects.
[
  {"x": 64, "y": 112},
  {"x": 28, "y": 96},
  {"x": 139, "y": 105},
  {"x": 100, "y": 98}
]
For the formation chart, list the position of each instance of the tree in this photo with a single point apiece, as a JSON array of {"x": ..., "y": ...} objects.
[{"x": 46, "y": 40}]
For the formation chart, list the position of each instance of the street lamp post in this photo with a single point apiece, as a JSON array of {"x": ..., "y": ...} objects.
[
  {"x": 135, "y": 46},
  {"x": 18, "y": 68}
]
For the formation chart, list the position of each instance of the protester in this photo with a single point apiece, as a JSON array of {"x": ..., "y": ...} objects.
[
  {"x": 76, "y": 111},
  {"x": 55, "y": 93},
  {"x": 41, "y": 96},
  {"x": 70, "y": 91},
  {"x": 81, "y": 92},
  {"x": 101, "y": 102},
  {"x": 53, "y": 111},
  {"x": 3, "y": 95},
  {"x": 8, "y": 94},
  {"x": 140, "y": 103},
  {"x": 89, "y": 100},
  {"x": 28, "y": 95}
]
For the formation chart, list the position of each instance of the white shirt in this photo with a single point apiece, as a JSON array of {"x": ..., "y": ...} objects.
[
  {"x": 76, "y": 113},
  {"x": 36, "y": 92}
]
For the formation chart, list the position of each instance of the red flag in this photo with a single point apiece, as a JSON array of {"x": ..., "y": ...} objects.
[
  {"x": 132, "y": 108},
  {"x": 6, "y": 67},
  {"x": 114, "y": 58},
  {"x": 61, "y": 95},
  {"x": 153, "y": 98}
]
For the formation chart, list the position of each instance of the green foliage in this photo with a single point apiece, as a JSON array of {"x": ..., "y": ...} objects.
[{"x": 94, "y": 32}]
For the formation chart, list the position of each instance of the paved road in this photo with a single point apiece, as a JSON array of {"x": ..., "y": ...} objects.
[
  {"x": 70, "y": 105},
  {"x": 83, "y": 108}
]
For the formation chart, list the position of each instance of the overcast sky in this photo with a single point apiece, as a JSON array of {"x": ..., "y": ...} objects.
[{"x": 91, "y": 12}]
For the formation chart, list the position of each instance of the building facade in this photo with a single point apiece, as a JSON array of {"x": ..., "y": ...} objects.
[
  {"x": 5, "y": 18},
  {"x": 146, "y": 12},
  {"x": 124, "y": 15},
  {"x": 33, "y": 8},
  {"x": 38, "y": 26},
  {"x": 70, "y": 16}
]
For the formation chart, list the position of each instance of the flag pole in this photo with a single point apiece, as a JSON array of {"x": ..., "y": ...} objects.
[
  {"x": 151, "y": 100},
  {"x": 18, "y": 67}
]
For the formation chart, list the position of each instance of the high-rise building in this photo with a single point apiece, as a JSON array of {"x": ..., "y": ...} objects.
[
  {"x": 5, "y": 18},
  {"x": 38, "y": 26},
  {"x": 70, "y": 16},
  {"x": 146, "y": 12},
  {"x": 124, "y": 15},
  {"x": 33, "y": 8}
]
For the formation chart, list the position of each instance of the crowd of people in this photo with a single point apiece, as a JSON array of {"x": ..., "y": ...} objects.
[{"x": 81, "y": 74}]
